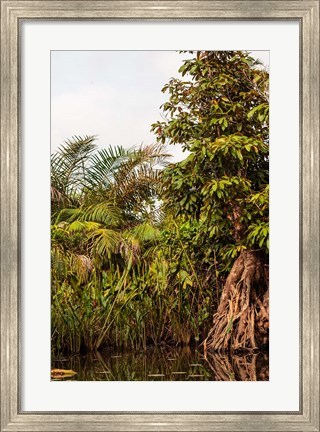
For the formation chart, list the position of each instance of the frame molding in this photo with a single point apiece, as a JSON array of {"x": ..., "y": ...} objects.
[{"x": 307, "y": 13}]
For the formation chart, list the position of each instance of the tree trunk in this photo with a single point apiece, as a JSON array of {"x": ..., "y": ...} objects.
[{"x": 242, "y": 319}]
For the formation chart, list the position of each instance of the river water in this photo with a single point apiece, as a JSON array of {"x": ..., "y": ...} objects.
[{"x": 165, "y": 364}]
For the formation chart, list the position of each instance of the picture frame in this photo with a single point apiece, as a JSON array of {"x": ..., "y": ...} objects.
[{"x": 14, "y": 12}]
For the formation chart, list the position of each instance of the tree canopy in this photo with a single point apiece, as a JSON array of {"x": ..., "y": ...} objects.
[{"x": 219, "y": 113}]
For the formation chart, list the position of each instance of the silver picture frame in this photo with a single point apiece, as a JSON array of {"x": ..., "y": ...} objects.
[{"x": 306, "y": 12}]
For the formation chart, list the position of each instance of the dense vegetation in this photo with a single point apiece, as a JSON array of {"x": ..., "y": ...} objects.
[{"x": 148, "y": 252}]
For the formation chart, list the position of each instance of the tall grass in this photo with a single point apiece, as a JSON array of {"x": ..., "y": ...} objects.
[{"x": 154, "y": 301}]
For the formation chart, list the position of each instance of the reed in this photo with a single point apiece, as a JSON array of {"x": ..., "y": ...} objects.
[{"x": 152, "y": 302}]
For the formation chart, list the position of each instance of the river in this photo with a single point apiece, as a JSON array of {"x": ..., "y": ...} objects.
[{"x": 165, "y": 364}]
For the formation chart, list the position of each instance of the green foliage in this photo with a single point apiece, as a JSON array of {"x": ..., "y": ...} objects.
[
  {"x": 120, "y": 276},
  {"x": 140, "y": 253},
  {"x": 219, "y": 114},
  {"x": 128, "y": 303}
]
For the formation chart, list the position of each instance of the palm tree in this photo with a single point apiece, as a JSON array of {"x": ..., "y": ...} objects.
[
  {"x": 127, "y": 177},
  {"x": 97, "y": 196}
]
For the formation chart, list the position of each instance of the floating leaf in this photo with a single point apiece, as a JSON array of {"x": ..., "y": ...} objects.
[{"x": 62, "y": 373}]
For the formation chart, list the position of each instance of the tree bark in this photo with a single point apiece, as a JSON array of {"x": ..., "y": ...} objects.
[{"x": 241, "y": 322}]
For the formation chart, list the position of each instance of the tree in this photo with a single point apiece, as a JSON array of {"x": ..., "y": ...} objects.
[
  {"x": 219, "y": 114},
  {"x": 97, "y": 197},
  {"x": 103, "y": 217}
]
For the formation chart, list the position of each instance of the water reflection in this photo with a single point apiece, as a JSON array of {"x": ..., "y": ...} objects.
[
  {"x": 166, "y": 364},
  {"x": 245, "y": 367}
]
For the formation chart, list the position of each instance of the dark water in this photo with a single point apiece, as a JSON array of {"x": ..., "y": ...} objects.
[{"x": 165, "y": 364}]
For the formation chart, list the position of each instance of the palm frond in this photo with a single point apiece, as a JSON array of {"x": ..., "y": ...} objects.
[
  {"x": 77, "y": 149},
  {"x": 104, "y": 163},
  {"x": 136, "y": 180},
  {"x": 109, "y": 166},
  {"x": 104, "y": 212},
  {"x": 69, "y": 165},
  {"x": 66, "y": 214},
  {"x": 105, "y": 241},
  {"x": 145, "y": 232},
  {"x": 80, "y": 226}
]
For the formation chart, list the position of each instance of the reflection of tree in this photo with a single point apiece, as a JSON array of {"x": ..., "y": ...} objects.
[
  {"x": 166, "y": 364},
  {"x": 245, "y": 367}
]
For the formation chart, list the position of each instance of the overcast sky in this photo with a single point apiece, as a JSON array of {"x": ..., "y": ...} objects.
[{"x": 115, "y": 95}]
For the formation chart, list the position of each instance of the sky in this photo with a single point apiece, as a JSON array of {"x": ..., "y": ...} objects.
[{"x": 114, "y": 95}]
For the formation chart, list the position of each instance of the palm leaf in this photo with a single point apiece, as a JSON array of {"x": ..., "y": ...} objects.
[
  {"x": 146, "y": 232},
  {"x": 68, "y": 167},
  {"x": 105, "y": 241},
  {"x": 103, "y": 165},
  {"x": 104, "y": 212},
  {"x": 83, "y": 226}
]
